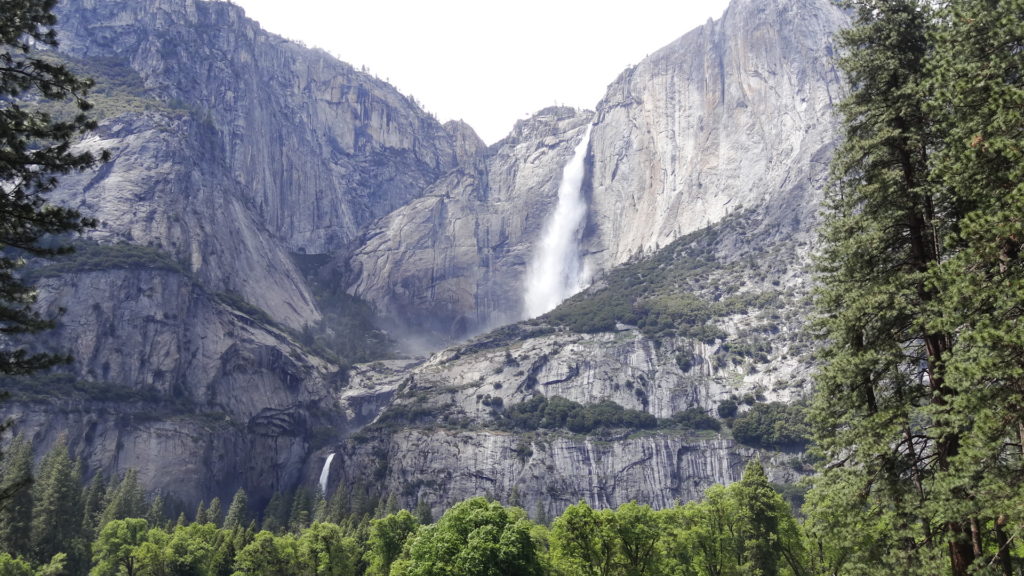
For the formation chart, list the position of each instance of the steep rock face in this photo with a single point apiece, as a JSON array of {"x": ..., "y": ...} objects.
[
  {"x": 452, "y": 262},
  {"x": 737, "y": 113},
  {"x": 441, "y": 467},
  {"x": 169, "y": 378},
  {"x": 231, "y": 148},
  {"x": 444, "y": 432},
  {"x": 165, "y": 187},
  {"x": 318, "y": 148},
  {"x": 188, "y": 458}
]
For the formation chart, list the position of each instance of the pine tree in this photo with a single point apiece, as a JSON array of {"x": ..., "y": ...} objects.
[
  {"x": 94, "y": 500},
  {"x": 771, "y": 539},
  {"x": 57, "y": 515},
  {"x": 126, "y": 500},
  {"x": 338, "y": 506},
  {"x": 201, "y": 517},
  {"x": 214, "y": 513},
  {"x": 16, "y": 507},
  {"x": 34, "y": 148},
  {"x": 156, "y": 515},
  {"x": 882, "y": 234},
  {"x": 978, "y": 81},
  {"x": 275, "y": 515},
  {"x": 319, "y": 507},
  {"x": 301, "y": 513},
  {"x": 424, "y": 515},
  {"x": 919, "y": 401},
  {"x": 238, "y": 511}
]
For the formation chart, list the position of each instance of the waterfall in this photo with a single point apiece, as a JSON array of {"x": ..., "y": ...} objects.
[
  {"x": 326, "y": 473},
  {"x": 556, "y": 271}
]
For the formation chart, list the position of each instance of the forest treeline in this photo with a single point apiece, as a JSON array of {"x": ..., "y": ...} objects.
[{"x": 54, "y": 526}]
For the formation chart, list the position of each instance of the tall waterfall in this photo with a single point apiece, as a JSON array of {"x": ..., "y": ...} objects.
[
  {"x": 326, "y": 473},
  {"x": 556, "y": 271}
]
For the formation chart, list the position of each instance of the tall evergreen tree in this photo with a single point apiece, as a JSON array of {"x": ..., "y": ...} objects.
[
  {"x": 214, "y": 512},
  {"x": 94, "y": 500},
  {"x": 16, "y": 504},
  {"x": 201, "y": 515},
  {"x": 978, "y": 82},
  {"x": 57, "y": 516},
  {"x": 771, "y": 539},
  {"x": 238, "y": 511},
  {"x": 126, "y": 500},
  {"x": 301, "y": 513},
  {"x": 156, "y": 516},
  {"x": 919, "y": 404},
  {"x": 276, "y": 514},
  {"x": 35, "y": 146},
  {"x": 882, "y": 235}
]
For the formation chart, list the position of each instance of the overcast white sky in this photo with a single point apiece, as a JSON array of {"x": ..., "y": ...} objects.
[{"x": 486, "y": 62}]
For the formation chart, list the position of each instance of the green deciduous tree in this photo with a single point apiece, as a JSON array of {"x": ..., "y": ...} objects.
[
  {"x": 637, "y": 529},
  {"x": 474, "y": 538},
  {"x": 268, "y": 555},
  {"x": 116, "y": 550},
  {"x": 14, "y": 566},
  {"x": 581, "y": 542},
  {"x": 190, "y": 549},
  {"x": 35, "y": 147},
  {"x": 387, "y": 537},
  {"x": 325, "y": 550}
]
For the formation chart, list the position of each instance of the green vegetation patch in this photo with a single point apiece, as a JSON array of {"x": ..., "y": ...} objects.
[
  {"x": 773, "y": 425},
  {"x": 91, "y": 256},
  {"x": 557, "y": 412},
  {"x": 678, "y": 291}
]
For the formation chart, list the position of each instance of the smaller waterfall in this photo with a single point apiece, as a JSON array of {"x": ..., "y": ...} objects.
[
  {"x": 556, "y": 271},
  {"x": 326, "y": 473}
]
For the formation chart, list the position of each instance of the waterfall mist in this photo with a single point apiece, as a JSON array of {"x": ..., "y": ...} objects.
[
  {"x": 326, "y": 473},
  {"x": 556, "y": 271}
]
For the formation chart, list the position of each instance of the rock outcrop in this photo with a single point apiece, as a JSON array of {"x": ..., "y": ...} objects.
[
  {"x": 544, "y": 476},
  {"x": 444, "y": 432},
  {"x": 736, "y": 114},
  {"x": 318, "y": 149},
  {"x": 735, "y": 119}
]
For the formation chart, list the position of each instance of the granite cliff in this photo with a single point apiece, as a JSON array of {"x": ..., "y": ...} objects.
[
  {"x": 260, "y": 192},
  {"x": 736, "y": 114},
  {"x": 232, "y": 151},
  {"x": 705, "y": 168}
]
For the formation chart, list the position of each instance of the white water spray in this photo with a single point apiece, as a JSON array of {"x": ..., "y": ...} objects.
[
  {"x": 556, "y": 271},
  {"x": 326, "y": 473}
]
